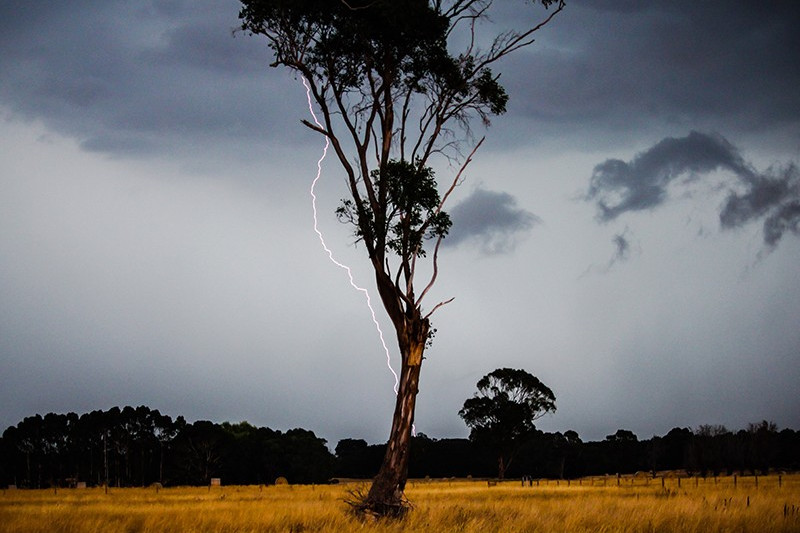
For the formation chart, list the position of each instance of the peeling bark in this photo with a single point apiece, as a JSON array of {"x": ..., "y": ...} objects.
[{"x": 386, "y": 495}]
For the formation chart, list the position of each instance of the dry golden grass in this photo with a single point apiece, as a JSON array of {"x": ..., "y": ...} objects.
[{"x": 599, "y": 505}]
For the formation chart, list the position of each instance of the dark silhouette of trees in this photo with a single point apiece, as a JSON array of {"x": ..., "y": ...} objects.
[
  {"x": 708, "y": 449},
  {"x": 676, "y": 450},
  {"x": 140, "y": 446},
  {"x": 392, "y": 99},
  {"x": 788, "y": 445},
  {"x": 115, "y": 446},
  {"x": 444, "y": 458},
  {"x": 502, "y": 412},
  {"x": 551, "y": 455},
  {"x": 306, "y": 457},
  {"x": 356, "y": 459},
  {"x": 202, "y": 448},
  {"x": 763, "y": 450},
  {"x": 256, "y": 452},
  {"x": 63, "y": 449},
  {"x": 570, "y": 445},
  {"x": 623, "y": 452}
]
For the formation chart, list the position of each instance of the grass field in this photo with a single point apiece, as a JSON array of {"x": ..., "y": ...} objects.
[{"x": 588, "y": 505}]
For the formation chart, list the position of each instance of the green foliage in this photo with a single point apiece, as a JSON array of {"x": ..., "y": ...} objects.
[
  {"x": 412, "y": 213},
  {"x": 344, "y": 44},
  {"x": 403, "y": 44}
]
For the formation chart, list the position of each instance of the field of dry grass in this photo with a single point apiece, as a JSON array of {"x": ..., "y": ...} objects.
[{"x": 599, "y": 505}]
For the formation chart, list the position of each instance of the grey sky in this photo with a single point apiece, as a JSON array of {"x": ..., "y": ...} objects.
[{"x": 156, "y": 243}]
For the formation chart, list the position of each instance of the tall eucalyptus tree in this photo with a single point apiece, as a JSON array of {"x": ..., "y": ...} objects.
[{"x": 392, "y": 98}]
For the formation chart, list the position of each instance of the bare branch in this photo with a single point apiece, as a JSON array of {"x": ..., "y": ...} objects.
[
  {"x": 435, "y": 273},
  {"x": 454, "y": 184},
  {"x": 357, "y": 8},
  {"x": 314, "y": 127},
  {"x": 437, "y": 306},
  {"x": 327, "y": 130},
  {"x": 468, "y": 12},
  {"x": 510, "y": 41}
]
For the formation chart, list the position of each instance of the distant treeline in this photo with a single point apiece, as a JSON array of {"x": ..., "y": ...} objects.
[{"x": 140, "y": 446}]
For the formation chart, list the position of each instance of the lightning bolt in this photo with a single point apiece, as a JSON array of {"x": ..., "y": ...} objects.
[{"x": 328, "y": 250}]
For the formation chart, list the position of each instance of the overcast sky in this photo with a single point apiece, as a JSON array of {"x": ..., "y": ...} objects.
[{"x": 628, "y": 232}]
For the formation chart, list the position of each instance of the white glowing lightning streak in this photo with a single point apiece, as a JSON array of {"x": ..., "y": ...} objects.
[{"x": 328, "y": 250}]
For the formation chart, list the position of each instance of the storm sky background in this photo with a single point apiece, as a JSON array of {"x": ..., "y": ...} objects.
[{"x": 628, "y": 232}]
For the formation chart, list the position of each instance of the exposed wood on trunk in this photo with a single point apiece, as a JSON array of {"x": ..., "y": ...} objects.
[{"x": 385, "y": 497}]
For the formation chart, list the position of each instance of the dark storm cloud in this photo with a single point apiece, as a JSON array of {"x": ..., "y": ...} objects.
[
  {"x": 134, "y": 77},
  {"x": 490, "y": 219},
  {"x": 137, "y": 77},
  {"x": 618, "y": 187},
  {"x": 621, "y": 248},
  {"x": 775, "y": 196},
  {"x": 618, "y": 65},
  {"x": 785, "y": 218},
  {"x": 622, "y": 251}
]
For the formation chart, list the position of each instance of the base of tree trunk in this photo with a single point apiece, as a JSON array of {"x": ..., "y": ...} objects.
[{"x": 364, "y": 506}]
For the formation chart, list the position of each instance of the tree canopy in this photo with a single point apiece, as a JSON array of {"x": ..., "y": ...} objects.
[
  {"x": 501, "y": 414},
  {"x": 392, "y": 96}
]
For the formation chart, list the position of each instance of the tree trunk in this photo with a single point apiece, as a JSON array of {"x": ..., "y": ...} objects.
[{"x": 385, "y": 497}]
